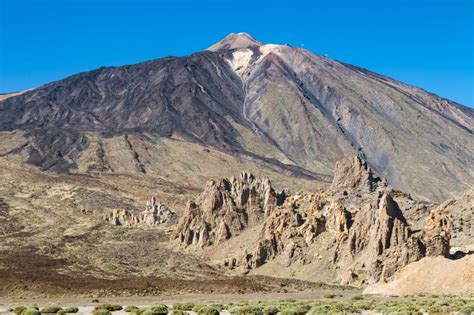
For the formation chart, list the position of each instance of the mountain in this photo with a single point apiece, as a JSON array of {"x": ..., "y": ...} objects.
[{"x": 276, "y": 105}]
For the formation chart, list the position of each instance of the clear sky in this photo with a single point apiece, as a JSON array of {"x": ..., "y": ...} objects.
[{"x": 427, "y": 43}]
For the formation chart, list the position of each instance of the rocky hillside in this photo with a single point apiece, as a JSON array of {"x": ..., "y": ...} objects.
[
  {"x": 274, "y": 105},
  {"x": 355, "y": 230}
]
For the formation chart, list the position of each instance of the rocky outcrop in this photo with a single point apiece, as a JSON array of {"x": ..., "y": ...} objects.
[
  {"x": 293, "y": 227},
  {"x": 378, "y": 242},
  {"x": 461, "y": 211},
  {"x": 154, "y": 214},
  {"x": 225, "y": 208},
  {"x": 353, "y": 174},
  {"x": 358, "y": 220}
]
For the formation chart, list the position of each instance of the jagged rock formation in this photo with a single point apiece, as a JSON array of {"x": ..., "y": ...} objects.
[
  {"x": 461, "y": 211},
  {"x": 353, "y": 174},
  {"x": 290, "y": 229},
  {"x": 365, "y": 227},
  {"x": 380, "y": 242},
  {"x": 277, "y": 105},
  {"x": 225, "y": 208},
  {"x": 154, "y": 213}
]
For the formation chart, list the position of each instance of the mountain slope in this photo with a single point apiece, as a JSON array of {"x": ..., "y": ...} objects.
[{"x": 276, "y": 105}]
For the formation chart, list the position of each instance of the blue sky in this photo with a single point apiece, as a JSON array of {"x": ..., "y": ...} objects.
[{"x": 427, "y": 43}]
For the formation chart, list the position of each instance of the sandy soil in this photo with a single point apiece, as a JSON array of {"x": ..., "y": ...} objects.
[{"x": 435, "y": 275}]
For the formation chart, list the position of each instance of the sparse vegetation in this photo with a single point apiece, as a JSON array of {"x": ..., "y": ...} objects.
[
  {"x": 31, "y": 311},
  {"x": 246, "y": 310},
  {"x": 109, "y": 307},
  {"x": 157, "y": 309},
  {"x": 51, "y": 309},
  {"x": 218, "y": 306},
  {"x": 131, "y": 308},
  {"x": 19, "y": 309},
  {"x": 183, "y": 306},
  {"x": 208, "y": 310},
  {"x": 295, "y": 311},
  {"x": 270, "y": 310},
  {"x": 416, "y": 304},
  {"x": 197, "y": 307}
]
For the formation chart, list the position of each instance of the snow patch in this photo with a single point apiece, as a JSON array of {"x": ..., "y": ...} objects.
[
  {"x": 266, "y": 49},
  {"x": 240, "y": 60}
]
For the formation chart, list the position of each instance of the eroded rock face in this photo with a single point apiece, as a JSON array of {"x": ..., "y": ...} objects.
[
  {"x": 352, "y": 173},
  {"x": 293, "y": 227},
  {"x": 461, "y": 210},
  {"x": 225, "y": 208},
  {"x": 154, "y": 213},
  {"x": 379, "y": 242}
]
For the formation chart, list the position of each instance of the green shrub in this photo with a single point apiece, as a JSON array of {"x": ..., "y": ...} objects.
[
  {"x": 19, "y": 309},
  {"x": 208, "y": 310},
  {"x": 357, "y": 298},
  {"x": 51, "y": 309},
  {"x": 320, "y": 309},
  {"x": 270, "y": 310},
  {"x": 131, "y": 308},
  {"x": 178, "y": 306},
  {"x": 31, "y": 311},
  {"x": 468, "y": 309},
  {"x": 178, "y": 312},
  {"x": 71, "y": 309},
  {"x": 197, "y": 307},
  {"x": 218, "y": 306},
  {"x": 246, "y": 310},
  {"x": 95, "y": 301},
  {"x": 297, "y": 310},
  {"x": 61, "y": 312},
  {"x": 137, "y": 311},
  {"x": 101, "y": 311},
  {"x": 157, "y": 309},
  {"x": 183, "y": 306},
  {"x": 329, "y": 296},
  {"x": 109, "y": 307}
]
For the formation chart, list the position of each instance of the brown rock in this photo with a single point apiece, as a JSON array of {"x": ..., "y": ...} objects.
[
  {"x": 154, "y": 213},
  {"x": 294, "y": 226},
  {"x": 379, "y": 241},
  {"x": 352, "y": 173},
  {"x": 226, "y": 208}
]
